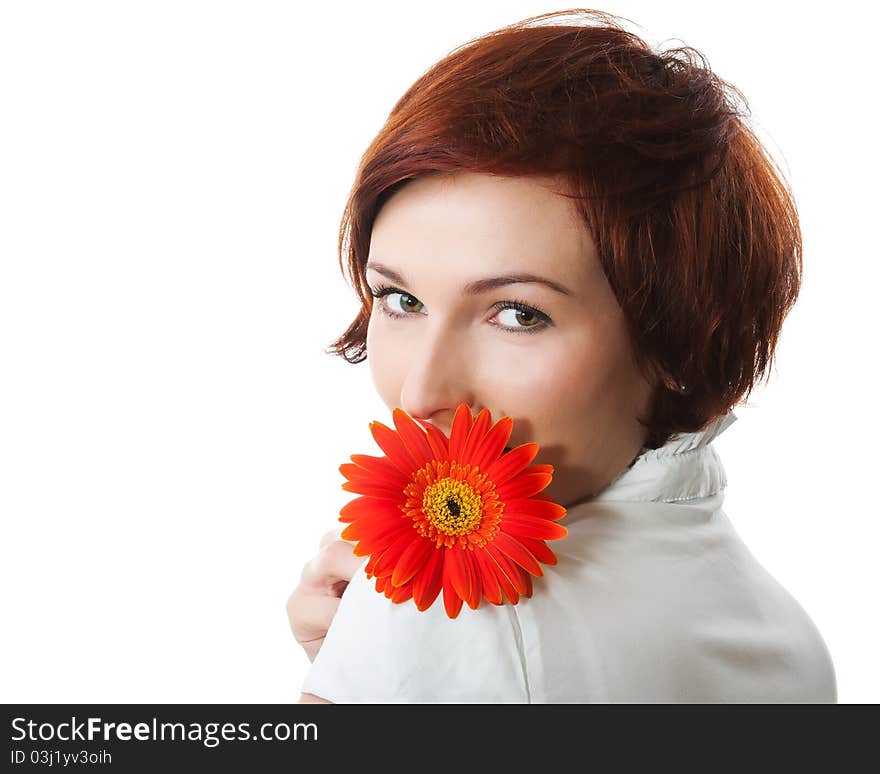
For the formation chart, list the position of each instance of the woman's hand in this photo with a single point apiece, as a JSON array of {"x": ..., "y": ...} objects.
[{"x": 312, "y": 605}]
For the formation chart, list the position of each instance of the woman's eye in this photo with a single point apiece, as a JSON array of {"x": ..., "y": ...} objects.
[
  {"x": 519, "y": 318},
  {"x": 401, "y": 302}
]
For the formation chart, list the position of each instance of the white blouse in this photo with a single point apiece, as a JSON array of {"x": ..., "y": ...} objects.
[{"x": 655, "y": 598}]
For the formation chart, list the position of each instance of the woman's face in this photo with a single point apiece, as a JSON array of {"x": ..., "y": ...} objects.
[{"x": 561, "y": 366}]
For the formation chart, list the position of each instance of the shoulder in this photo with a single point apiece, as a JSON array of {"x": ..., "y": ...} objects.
[
  {"x": 378, "y": 651},
  {"x": 665, "y": 602}
]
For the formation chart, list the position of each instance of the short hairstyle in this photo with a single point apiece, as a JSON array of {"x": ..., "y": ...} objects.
[{"x": 695, "y": 227}]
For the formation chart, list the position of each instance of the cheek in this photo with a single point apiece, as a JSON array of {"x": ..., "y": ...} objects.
[
  {"x": 561, "y": 373},
  {"x": 580, "y": 382}
]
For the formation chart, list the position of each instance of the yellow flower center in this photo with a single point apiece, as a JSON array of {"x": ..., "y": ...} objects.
[{"x": 452, "y": 507}]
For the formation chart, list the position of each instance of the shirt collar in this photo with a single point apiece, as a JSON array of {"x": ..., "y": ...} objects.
[{"x": 685, "y": 468}]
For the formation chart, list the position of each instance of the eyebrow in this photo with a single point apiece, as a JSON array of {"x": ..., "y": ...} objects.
[{"x": 480, "y": 285}]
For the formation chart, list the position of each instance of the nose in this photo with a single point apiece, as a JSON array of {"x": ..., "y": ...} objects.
[{"x": 438, "y": 376}]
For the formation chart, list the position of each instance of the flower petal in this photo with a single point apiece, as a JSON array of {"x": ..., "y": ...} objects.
[
  {"x": 511, "y": 569},
  {"x": 370, "y": 526},
  {"x": 413, "y": 437},
  {"x": 391, "y": 443},
  {"x": 412, "y": 560},
  {"x": 508, "y": 465},
  {"x": 451, "y": 600},
  {"x": 508, "y": 574},
  {"x": 391, "y": 555},
  {"x": 378, "y": 538},
  {"x": 476, "y": 436},
  {"x": 377, "y": 489},
  {"x": 493, "y": 444},
  {"x": 400, "y": 594},
  {"x": 473, "y": 601},
  {"x": 371, "y": 563},
  {"x": 355, "y": 472},
  {"x": 534, "y": 506},
  {"x": 375, "y": 556},
  {"x": 510, "y": 546},
  {"x": 438, "y": 442},
  {"x": 488, "y": 577},
  {"x": 429, "y": 581},
  {"x": 527, "y": 526},
  {"x": 540, "y": 550},
  {"x": 458, "y": 434},
  {"x": 460, "y": 572},
  {"x": 524, "y": 485},
  {"x": 381, "y": 468},
  {"x": 367, "y": 507}
]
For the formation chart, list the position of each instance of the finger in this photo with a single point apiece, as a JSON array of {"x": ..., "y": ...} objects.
[
  {"x": 334, "y": 563},
  {"x": 310, "y": 615},
  {"x": 329, "y": 537}
]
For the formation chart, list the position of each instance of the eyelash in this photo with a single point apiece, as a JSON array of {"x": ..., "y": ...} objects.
[{"x": 384, "y": 290}]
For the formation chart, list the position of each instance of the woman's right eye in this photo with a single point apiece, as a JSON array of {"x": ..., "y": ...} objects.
[{"x": 390, "y": 305}]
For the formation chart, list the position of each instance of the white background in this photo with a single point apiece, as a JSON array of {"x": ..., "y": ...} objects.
[{"x": 172, "y": 175}]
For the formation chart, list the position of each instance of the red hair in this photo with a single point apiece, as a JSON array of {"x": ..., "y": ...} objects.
[{"x": 696, "y": 230}]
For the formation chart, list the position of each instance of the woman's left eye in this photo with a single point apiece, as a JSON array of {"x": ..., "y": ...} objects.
[
  {"x": 523, "y": 317},
  {"x": 526, "y": 319}
]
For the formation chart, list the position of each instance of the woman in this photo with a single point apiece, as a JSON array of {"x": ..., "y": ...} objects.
[{"x": 565, "y": 227}]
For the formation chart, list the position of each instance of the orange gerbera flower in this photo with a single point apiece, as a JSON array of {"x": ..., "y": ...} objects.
[{"x": 451, "y": 514}]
